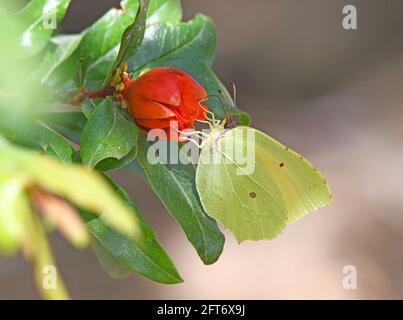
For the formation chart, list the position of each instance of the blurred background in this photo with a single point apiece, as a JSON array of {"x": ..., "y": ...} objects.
[{"x": 335, "y": 96}]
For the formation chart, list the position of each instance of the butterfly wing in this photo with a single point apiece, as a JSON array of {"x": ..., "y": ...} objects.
[
  {"x": 250, "y": 205},
  {"x": 282, "y": 187}
]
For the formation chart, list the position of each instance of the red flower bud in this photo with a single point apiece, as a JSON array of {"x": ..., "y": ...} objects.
[{"x": 163, "y": 98}]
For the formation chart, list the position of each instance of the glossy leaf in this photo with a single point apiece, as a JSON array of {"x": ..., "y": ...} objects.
[
  {"x": 60, "y": 48},
  {"x": 71, "y": 124},
  {"x": 101, "y": 41},
  {"x": 109, "y": 133},
  {"x": 169, "y": 11},
  {"x": 163, "y": 40},
  {"x": 32, "y": 134},
  {"x": 110, "y": 164},
  {"x": 194, "y": 39},
  {"x": 89, "y": 105},
  {"x": 109, "y": 263},
  {"x": 148, "y": 259},
  {"x": 175, "y": 186},
  {"x": 36, "y": 23},
  {"x": 68, "y": 124},
  {"x": 132, "y": 36}
]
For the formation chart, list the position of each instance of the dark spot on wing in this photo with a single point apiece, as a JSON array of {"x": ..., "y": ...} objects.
[
  {"x": 281, "y": 164},
  {"x": 252, "y": 194}
]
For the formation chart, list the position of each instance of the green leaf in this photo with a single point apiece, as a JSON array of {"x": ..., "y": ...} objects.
[
  {"x": 195, "y": 39},
  {"x": 114, "y": 164},
  {"x": 68, "y": 124},
  {"x": 101, "y": 41},
  {"x": 71, "y": 125},
  {"x": 175, "y": 186},
  {"x": 32, "y": 134},
  {"x": 109, "y": 133},
  {"x": 89, "y": 105},
  {"x": 148, "y": 259},
  {"x": 32, "y": 27},
  {"x": 132, "y": 36},
  {"x": 109, "y": 164},
  {"x": 59, "y": 49},
  {"x": 109, "y": 263},
  {"x": 169, "y": 11},
  {"x": 97, "y": 41}
]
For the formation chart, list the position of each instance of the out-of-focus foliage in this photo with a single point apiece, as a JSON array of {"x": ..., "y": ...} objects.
[
  {"x": 27, "y": 177},
  {"x": 41, "y": 73}
]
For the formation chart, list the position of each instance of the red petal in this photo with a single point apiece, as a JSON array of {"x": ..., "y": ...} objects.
[
  {"x": 146, "y": 109},
  {"x": 159, "y": 85},
  {"x": 192, "y": 93},
  {"x": 156, "y": 123}
]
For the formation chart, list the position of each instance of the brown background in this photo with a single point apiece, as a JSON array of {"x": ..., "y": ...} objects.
[{"x": 331, "y": 94}]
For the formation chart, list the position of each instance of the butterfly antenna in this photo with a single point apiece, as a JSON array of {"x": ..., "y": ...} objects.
[
  {"x": 224, "y": 107},
  {"x": 233, "y": 91},
  {"x": 233, "y": 119},
  {"x": 229, "y": 105},
  {"x": 234, "y": 97}
]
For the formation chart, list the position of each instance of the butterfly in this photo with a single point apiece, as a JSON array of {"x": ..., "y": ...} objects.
[{"x": 252, "y": 184}]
